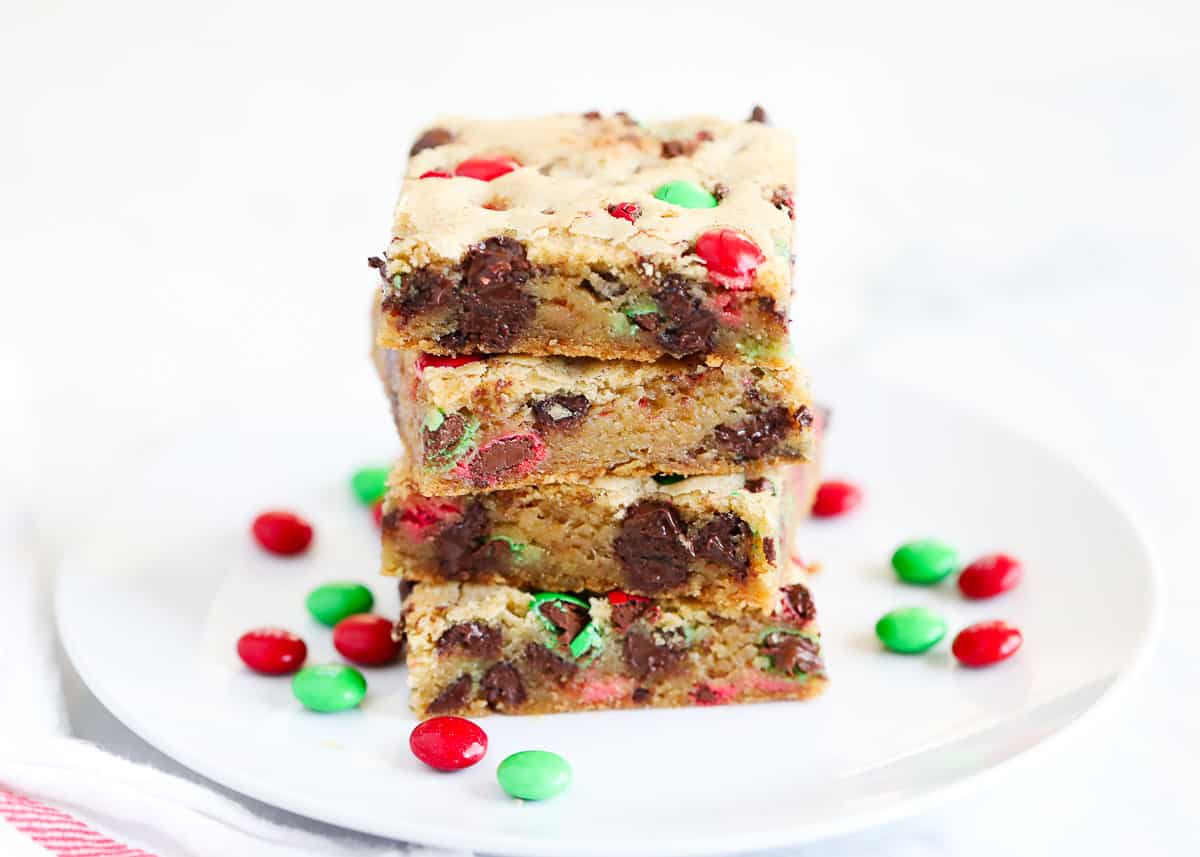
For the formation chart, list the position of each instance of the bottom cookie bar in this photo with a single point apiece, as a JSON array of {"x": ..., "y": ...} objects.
[{"x": 474, "y": 649}]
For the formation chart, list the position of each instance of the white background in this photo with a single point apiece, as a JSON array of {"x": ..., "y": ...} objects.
[{"x": 999, "y": 203}]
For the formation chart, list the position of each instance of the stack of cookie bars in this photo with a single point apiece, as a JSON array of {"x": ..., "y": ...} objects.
[{"x": 582, "y": 329}]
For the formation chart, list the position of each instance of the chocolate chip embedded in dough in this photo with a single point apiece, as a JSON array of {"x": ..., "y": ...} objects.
[
  {"x": 502, "y": 687},
  {"x": 653, "y": 547},
  {"x": 724, "y": 540},
  {"x": 755, "y": 436},
  {"x": 541, "y": 661},
  {"x": 648, "y": 658},
  {"x": 798, "y": 601},
  {"x": 454, "y": 697},
  {"x": 470, "y": 639},
  {"x": 431, "y": 139},
  {"x": 562, "y": 411}
]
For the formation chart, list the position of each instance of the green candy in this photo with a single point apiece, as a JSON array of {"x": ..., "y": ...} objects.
[
  {"x": 534, "y": 775},
  {"x": 910, "y": 630},
  {"x": 924, "y": 562},
  {"x": 685, "y": 195},
  {"x": 587, "y": 640},
  {"x": 642, "y": 306},
  {"x": 370, "y": 484},
  {"x": 433, "y": 419},
  {"x": 330, "y": 603},
  {"x": 329, "y": 687}
]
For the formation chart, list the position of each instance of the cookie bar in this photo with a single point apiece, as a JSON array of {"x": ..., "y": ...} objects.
[
  {"x": 474, "y": 649},
  {"x": 507, "y": 421},
  {"x": 720, "y": 538},
  {"x": 593, "y": 236}
]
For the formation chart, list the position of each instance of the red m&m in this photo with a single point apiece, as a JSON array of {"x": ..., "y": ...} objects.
[
  {"x": 986, "y": 643},
  {"x": 835, "y": 498},
  {"x": 486, "y": 169},
  {"x": 448, "y": 743},
  {"x": 630, "y": 211},
  {"x": 365, "y": 639},
  {"x": 435, "y": 174},
  {"x": 731, "y": 257},
  {"x": 283, "y": 533},
  {"x": 990, "y": 575},
  {"x": 271, "y": 651}
]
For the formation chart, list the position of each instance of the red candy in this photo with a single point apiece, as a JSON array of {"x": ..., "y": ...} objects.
[
  {"x": 448, "y": 743},
  {"x": 282, "y": 533},
  {"x": 835, "y": 498},
  {"x": 486, "y": 169},
  {"x": 424, "y": 513},
  {"x": 271, "y": 651},
  {"x": 630, "y": 211},
  {"x": 731, "y": 257},
  {"x": 377, "y": 512},
  {"x": 435, "y": 174},
  {"x": 986, "y": 643},
  {"x": 365, "y": 639},
  {"x": 424, "y": 361},
  {"x": 619, "y": 597},
  {"x": 990, "y": 575}
]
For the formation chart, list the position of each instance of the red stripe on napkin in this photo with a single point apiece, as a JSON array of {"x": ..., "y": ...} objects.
[{"x": 59, "y": 833}]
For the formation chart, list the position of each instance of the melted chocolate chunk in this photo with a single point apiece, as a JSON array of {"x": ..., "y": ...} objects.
[
  {"x": 422, "y": 290},
  {"x": 566, "y": 617},
  {"x": 641, "y": 694},
  {"x": 648, "y": 659},
  {"x": 431, "y": 139},
  {"x": 723, "y": 540},
  {"x": 798, "y": 601},
  {"x": 758, "y": 114},
  {"x": 720, "y": 191},
  {"x": 678, "y": 148},
  {"x": 541, "y": 661},
  {"x": 494, "y": 308},
  {"x": 380, "y": 265},
  {"x": 789, "y": 652},
  {"x": 502, "y": 687},
  {"x": 463, "y": 546},
  {"x": 445, "y": 437},
  {"x": 471, "y": 639},
  {"x": 623, "y": 615},
  {"x": 759, "y": 483},
  {"x": 500, "y": 459},
  {"x": 653, "y": 546},
  {"x": 781, "y": 198},
  {"x": 683, "y": 326},
  {"x": 562, "y": 411},
  {"x": 769, "y": 549},
  {"x": 755, "y": 436},
  {"x": 804, "y": 416},
  {"x": 455, "y": 697}
]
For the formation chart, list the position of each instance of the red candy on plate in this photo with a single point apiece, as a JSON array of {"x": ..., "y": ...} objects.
[
  {"x": 365, "y": 639},
  {"x": 271, "y": 651},
  {"x": 448, "y": 743},
  {"x": 730, "y": 256},
  {"x": 990, "y": 575},
  {"x": 986, "y": 643},
  {"x": 283, "y": 533},
  {"x": 486, "y": 169},
  {"x": 835, "y": 498}
]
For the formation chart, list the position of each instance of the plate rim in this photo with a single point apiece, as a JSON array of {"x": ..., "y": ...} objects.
[{"x": 413, "y": 831}]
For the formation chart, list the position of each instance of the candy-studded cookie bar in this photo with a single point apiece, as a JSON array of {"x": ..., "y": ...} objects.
[
  {"x": 720, "y": 538},
  {"x": 593, "y": 236},
  {"x": 475, "y": 649},
  {"x": 475, "y": 424}
]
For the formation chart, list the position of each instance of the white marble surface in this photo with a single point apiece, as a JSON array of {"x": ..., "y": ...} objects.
[{"x": 999, "y": 205}]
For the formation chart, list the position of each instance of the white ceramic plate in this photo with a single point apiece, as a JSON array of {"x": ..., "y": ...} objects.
[{"x": 150, "y": 607}]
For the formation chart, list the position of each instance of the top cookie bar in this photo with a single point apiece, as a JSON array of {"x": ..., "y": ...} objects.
[{"x": 593, "y": 236}]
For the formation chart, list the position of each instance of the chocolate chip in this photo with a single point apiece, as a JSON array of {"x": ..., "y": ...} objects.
[
  {"x": 769, "y": 549},
  {"x": 682, "y": 325},
  {"x": 566, "y": 617},
  {"x": 648, "y": 659},
  {"x": 798, "y": 601},
  {"x": 502, "y": 687},
  {"x": 759, "y": 483},
  {"x": 804, "y": 416},
  {"x": 399, "y": 631},
  {"x": 561, "y": 411},
  {"x": 678, "y": 148},
  {"x": 422, "y": 290},
  {"x": 380, "y": 265},
  {"x": 543, "y": 662},
  {"x": 781, "y": 198},
  {"x": 445, "y": 437},
  {"x": 789, "y": 652},
  {"x": 500, "y": 459},
  {"x": 625, "y": 117},
  {"x": 723, "y": 541},
  {"x": 431, "y": 139},
  {"x": 720, "y": 191},
  {"x": 653, "y": 546},
  {"x": 755, "y": 436},
  {"x": 494, "y": 308},
  {"x": 623, "y": 615},
  {"x": 455, "y": 696},
  {"x": 470, "y": 639},
  {"x": 405, "y": 588},
  {"x": 758, "y": 115},
  {"x": 641, "y": 694},
  {"x": 463, "y": 546},
  {"x": 592, "y": 114},
  {"x": 705, "y": 695}
]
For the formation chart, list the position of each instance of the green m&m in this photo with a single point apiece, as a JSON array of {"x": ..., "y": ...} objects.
[
  {"x": 329, "y": 687},
  {"x": 369, "y": 484},
  {"x": 910, "y": 630},
  {"x": 686, "y": 195},
  {"x": 925, "y": 562},
  {"x": 534, "y": 774},
  {"x": 330, "y": 603}
]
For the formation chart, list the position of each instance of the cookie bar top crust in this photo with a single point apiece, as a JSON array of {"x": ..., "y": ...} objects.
[{"x": 591, "y": 236}]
